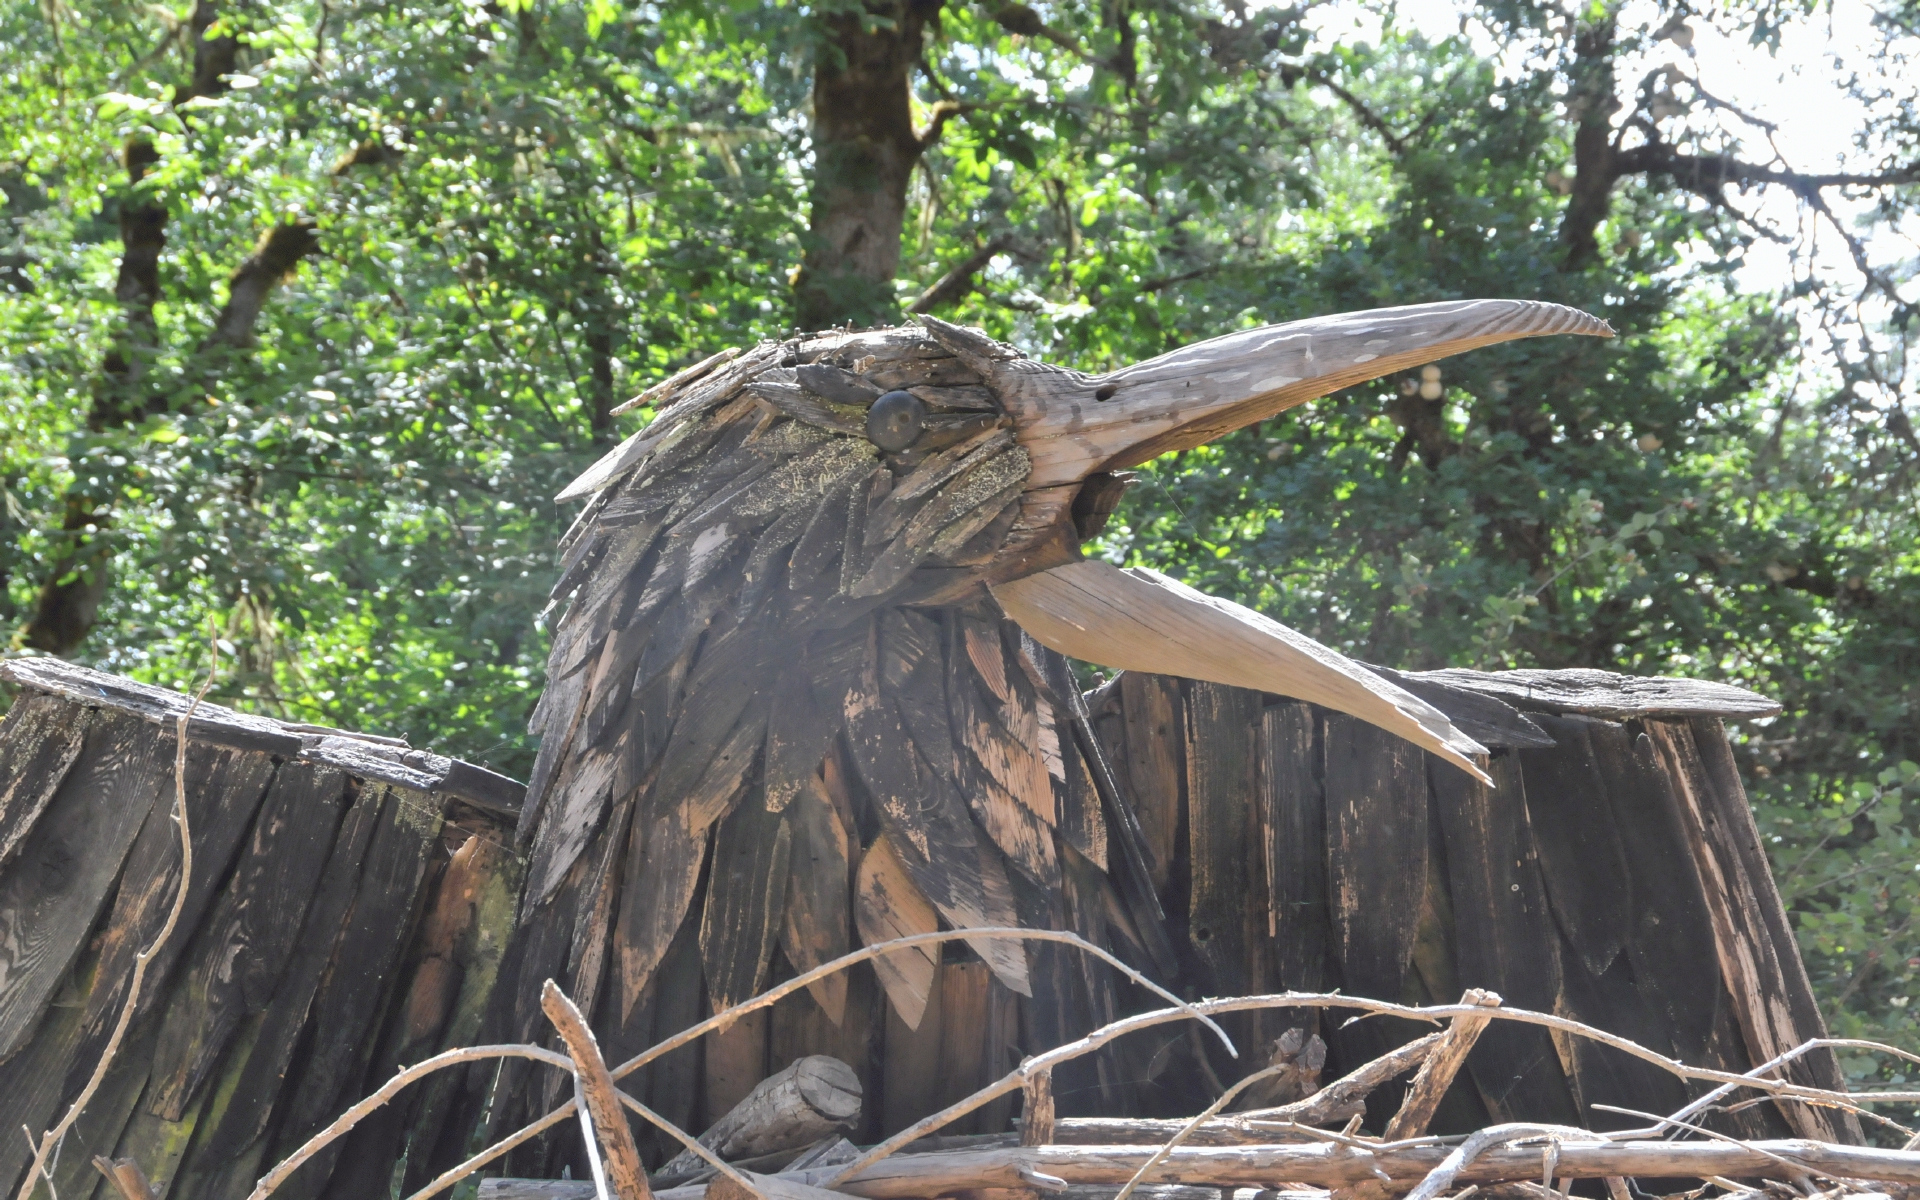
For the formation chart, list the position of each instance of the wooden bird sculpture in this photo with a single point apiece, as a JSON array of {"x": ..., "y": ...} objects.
[{"x": 807, "y": 685}]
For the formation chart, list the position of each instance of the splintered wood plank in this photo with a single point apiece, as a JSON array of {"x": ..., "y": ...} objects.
[
  {"x": 910, "y": 1083},
  {"x": 1670, "y": 941},
  {"x": 1150, "y": 707},
  {"x": 1505, "y": 939},
  {"x": 979, "y": 1036},
  {"x": 997, "y": 737},
  {"x": 61, "y": 876},
  {"x": 1773, "y": 1002},
  {"x": 261, "y": 1078},
  {"x": 819, "y": 917},
  {"x": 1293, "y": 819},
  {"x": 238, "y": 956},
  {"x": 34, "y": 1076},
  {"x": 662, "y": 873},
  {"x": 225, "y": 788},
  {"x": 746, "y": 897},
  {"x": 887, "y": 905},
  {"x": 346, "y": 1012},
  {"x": 935, "y": 839},
  {"x": 39, "y": 741},
  {"x": 1221, "y": 724},
  {"x": 1376, "y": 790},
  {"x": 1082, "y": 822},
  {"x": 736, "y": 1062},
  {"x": 1580, "y": 847}
]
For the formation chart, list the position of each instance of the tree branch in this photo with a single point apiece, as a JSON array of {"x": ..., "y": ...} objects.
[
  {"x": 958, "y": 281},
  {"x": 279, "y": 251}
]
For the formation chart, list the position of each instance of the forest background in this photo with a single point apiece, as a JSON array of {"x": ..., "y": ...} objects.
[{"x": 307, "y": 307}]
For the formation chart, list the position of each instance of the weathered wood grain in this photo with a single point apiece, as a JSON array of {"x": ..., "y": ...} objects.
[
  {"x": 662, "y": 866},
  {"x": 812, "y": 1098},
  {"x": 1505, "y": 938},
  {"x": 887, "y": 905},
  {"x": 1221, "y": 725},
  {"x": 1772, "y": 1000},
  {"x": 1154, "y": 769},
  {"x": 735, "y": 1063},
  {"x": 66, "y": 866},
  {"x": 39, "y": 741},
  {"x": 263, "y": 1070},
  {"x": 819, "y": 912},
  {"x": 1581, "y": 855},
  {"x": 746, "y": 898},
  {"x": 239, "y": 954},
  {"x": 1293, "y": 822},
  {"x": 225, "y": 788},
  {"x": 1376, "y": 795},
  {"x": 1593, "y": 693}
]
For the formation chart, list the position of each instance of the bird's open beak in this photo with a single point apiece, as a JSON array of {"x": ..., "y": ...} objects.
[{"x": 1074, "y": 426}]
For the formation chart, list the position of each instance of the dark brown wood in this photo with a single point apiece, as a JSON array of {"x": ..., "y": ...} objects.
[
  {"x": 819, "y": 912},
  {"x": 1581, "y": 855},
  {"x": 1152, "y": 719},
  {"x": 1293, "y": 822},
  {"x": 39, "y": 742},
  {"x": 239, "y": 955},
  {"x": 62, "y": 874},
  {"x": 1037, "y": 1124},
  {"x": 1436, "y": 1074},
  {"x": 1505, "y": 938},
  {"x": 663, "y": 861},
  {"x": 1376, "y": 792},
  {"x": 735, "y": 1063},
  {"x": 746, "y": 899},
  {"x": 1773, "y": 1003},
  {"x": 1224, "y": 910}
]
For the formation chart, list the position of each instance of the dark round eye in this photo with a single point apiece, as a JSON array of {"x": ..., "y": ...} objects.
[{"x": 896, "y": 421}]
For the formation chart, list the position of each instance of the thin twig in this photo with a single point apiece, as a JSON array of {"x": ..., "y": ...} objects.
[
  {"x": 453, "y": 1175},
  {"x": 1799, "y": 1168},
  {"x": 689, "y": 1141},
  {"x": 605, "y": 1122},
  {"x": 391, "y": 1088},
  {"x": 1442, "y": 1176},
  {"x": 726, "y": 1018},
  {"x": 140, "y": 961},
  {"x": 1159, "y": 1156}
]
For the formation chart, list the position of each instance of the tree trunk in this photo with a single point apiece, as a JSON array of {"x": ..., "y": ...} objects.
[
  {"x": 1592, "y": 102},
  {"x": 69, "y": 600},
  {"x": 864, "y": 151}
]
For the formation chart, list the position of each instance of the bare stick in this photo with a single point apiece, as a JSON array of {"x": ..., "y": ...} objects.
[
  {"x": 126, "y": 1177},
  {"x": 725, "y": 1019},
  {"x": 1036, "y": 1117},
  {"x": 453, "y": 1175},
  {"x": 728, "y": 1017},
  {"x": 1798, "y": 1171},
  {"x": 52, "y": 1137},
  {"x": 391, "y": 1088},
  {"x": 686, "y": 375},
  {"x": 607, "y": 1124},
  {"x": 1333, "y": 1102},
  {"x": 1226, "y": 1097},
  {"x": 1437, "y": 1073},
  {"x": 690, "y": 1142},
  {"x": 1442, "y": 1176}
]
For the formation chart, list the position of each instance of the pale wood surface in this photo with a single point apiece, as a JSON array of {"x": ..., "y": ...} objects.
[
  {"x": 1606, "y": 693},
  {"x": 1140, "y": 620},
  {"x": 811, "y": 1099}
]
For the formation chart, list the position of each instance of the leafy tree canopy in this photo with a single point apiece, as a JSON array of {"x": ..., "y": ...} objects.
[{"x": 308, "y": 306}]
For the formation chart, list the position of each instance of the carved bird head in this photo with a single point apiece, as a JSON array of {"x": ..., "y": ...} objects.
[
  {"x": 815, "y": 535},
  {"x": 916, "y": 466}
]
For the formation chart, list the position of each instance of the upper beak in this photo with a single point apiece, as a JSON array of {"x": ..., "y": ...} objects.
[{"x": 1075, "y": 425}]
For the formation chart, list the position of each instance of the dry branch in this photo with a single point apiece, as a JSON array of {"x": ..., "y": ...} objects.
[
  {"x": 813, "y": 1098},
  {"x": 1437, "y": 1073},
  {"x": 606, "y": 1124}
]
